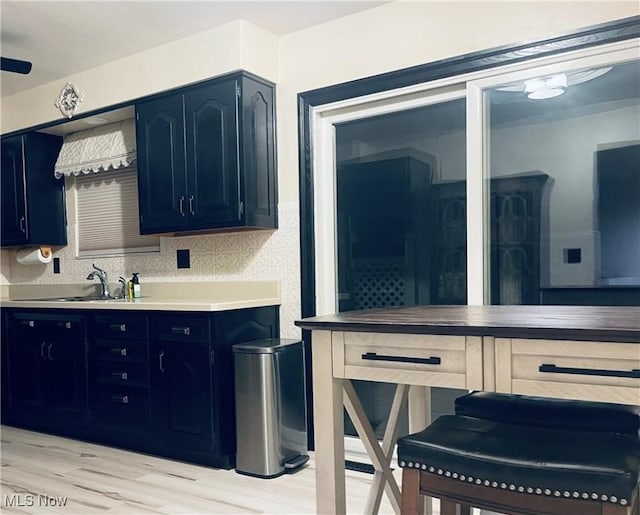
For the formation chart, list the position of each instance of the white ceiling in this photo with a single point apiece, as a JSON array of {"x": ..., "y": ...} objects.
[{"x": 62, "y": 38}]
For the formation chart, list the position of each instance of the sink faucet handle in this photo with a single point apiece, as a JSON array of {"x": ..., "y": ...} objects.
[{"x": 103, "y": 272}]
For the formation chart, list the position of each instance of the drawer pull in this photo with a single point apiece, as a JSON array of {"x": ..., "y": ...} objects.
[
  {"x": 28, "y": 323},
  {"x": 66, "y": 325},
  {"x": 120, "y": 399},
  {"x": 633, "y": 373},
  {"x": 120, "y": 351},
  {"x": 118, "y": 327},
  {"x": 186, "y": 331},
  {"x": 373, "y": 356},
  {"x": 121, "y": 375}
]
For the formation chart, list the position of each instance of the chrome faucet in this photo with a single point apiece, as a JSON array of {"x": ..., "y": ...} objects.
[{"x": 102, "y": 276}]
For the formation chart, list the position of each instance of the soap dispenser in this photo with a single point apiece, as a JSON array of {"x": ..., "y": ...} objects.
[{"x": 135, "y": 282}]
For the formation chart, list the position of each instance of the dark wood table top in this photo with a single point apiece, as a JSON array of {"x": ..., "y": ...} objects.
[{"x": 594, "y": 323}]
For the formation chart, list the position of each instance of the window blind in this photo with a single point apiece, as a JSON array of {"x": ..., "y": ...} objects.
[{"x": 107, "y": 215}]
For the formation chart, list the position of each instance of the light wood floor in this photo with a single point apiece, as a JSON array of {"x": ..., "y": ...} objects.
[{"x": 37, "y": 468}]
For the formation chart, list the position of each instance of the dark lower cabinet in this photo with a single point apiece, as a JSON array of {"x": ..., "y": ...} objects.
[
  {"x": 182, "y": 400},
  {"x": 158, "y": 382},
  {"x": 46, "y": 366},
  {"x": 119, "y": 386},
  {"x": 192, "y": 384}
]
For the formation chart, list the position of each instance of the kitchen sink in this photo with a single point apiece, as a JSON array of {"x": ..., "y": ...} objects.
[{"x": 77, "y": 298}]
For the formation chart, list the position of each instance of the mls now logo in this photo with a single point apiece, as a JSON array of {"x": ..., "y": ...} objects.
[{"x": 27, "y": 500}]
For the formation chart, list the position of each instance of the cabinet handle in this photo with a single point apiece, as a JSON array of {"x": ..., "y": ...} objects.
[
  {"x": 602, "y": 372},
  {"x": 181, "y": 205},
  {"x": 181, "y": 330},
  {"x": 122, "y": 351},
  {"x": 118, "y": 327},
  {"x": 22, "y": 227},
  {"x": 122, "y": 375},
  {"x": 49, "y": 352},
  {"x": 160, "y": 356},
  {"x": 42, "y": 350},
  {"x": 66, "y": 325},
  {"x": 122, "y": 399},
  {"x": 373, "y": 356},
  {"x": 191, "y": 205},
  {"x": 28, "y": 323}
]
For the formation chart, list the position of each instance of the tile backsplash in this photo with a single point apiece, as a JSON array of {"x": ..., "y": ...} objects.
[{"x": 233, "y": 256}]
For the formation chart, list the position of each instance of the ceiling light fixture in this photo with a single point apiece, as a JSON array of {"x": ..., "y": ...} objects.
[
  {"x": 548, "y": 87},
  {"x": 553, "y": 85}
]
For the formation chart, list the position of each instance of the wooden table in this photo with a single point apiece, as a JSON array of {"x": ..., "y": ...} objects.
[{"x": 570, "y": 352}]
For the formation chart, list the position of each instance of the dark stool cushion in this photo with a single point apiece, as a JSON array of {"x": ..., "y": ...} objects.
[
  {"x": 562, "y": 414},
  {"x": 528, "y": 459}
]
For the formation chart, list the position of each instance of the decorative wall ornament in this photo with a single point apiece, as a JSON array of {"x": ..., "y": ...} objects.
[{"x": 69, "y": 99}]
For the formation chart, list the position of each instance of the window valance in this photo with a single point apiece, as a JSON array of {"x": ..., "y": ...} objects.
[{"x": 102, "y": 148}]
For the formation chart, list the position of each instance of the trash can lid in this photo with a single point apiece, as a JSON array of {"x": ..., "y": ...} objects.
[{"x": 266, "y": 346}]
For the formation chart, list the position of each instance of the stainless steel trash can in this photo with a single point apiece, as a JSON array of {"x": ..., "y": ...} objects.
[{"x": 271, "y": 426}]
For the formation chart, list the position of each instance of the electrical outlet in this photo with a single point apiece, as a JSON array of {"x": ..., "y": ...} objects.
[
  {"x": 183, "y": 258},
  {"x": 573, "y": 255}
]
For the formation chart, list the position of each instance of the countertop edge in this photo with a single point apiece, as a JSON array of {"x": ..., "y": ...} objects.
[{"x": 145, "y": 304}]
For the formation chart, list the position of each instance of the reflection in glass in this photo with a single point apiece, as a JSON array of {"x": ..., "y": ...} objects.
[
  {"x": 564, "y": 188},
  {"x": 401, "y": 221}
]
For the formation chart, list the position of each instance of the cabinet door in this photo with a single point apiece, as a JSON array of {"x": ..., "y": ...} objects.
[
  {"x": 212, "y": 155},
  {"x": 26, "y": 361},
  {"x": 13, "y": 216},
  {"x": 161, "y": 166},
  {"x": 258, "y": 154},
  {"x": 182, "y": 404},
  {"x": 64, "y": 377}
]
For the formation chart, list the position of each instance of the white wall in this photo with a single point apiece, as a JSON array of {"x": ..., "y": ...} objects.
[{"x": 389, "y": 37}]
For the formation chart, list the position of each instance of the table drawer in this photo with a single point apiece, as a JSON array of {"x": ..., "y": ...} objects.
[
  {"x": 448, "y": 361},
  {"x": 600, "y": 371}
]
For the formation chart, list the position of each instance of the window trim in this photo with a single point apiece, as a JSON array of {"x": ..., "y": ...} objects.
[{"x": 311, "y": 102}]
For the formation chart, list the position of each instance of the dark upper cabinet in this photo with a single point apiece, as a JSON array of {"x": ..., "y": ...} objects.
[
  {"x": 206, "y": 157},
  {"x": 33, "y": 209}
]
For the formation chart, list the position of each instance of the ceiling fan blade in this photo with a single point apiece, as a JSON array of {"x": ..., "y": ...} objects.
[{"x": 14, "y": 65}]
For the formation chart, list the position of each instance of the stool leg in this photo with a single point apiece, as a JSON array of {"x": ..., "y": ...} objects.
[
  {"x": 448, "y": 507},
  {"x": 411, "y": 500}
]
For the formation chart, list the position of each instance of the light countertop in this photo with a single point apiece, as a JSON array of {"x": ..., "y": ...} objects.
[{"x": 185, "y": 296}]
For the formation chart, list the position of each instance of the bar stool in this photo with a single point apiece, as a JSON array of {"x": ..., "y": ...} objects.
[{"x": 525, "y": 455}]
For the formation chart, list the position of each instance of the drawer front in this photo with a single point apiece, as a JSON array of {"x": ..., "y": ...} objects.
[
  {"x": 121, "y": 351},
  {"x": 183, "y": 329},
  {"x": 122, "y": 374},
  {"x": 120, "y": 326},
  {"x": 599, "y": 371},
  {"x": 122, "y": 409},
  {"x": 448, "y": 361}
]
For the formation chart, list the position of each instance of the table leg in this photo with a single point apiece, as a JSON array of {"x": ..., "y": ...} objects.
[
  {"x": 367, "y": 436},
  {"x": 329, "y": 429},
  {"x": 388, "y": 444}
]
